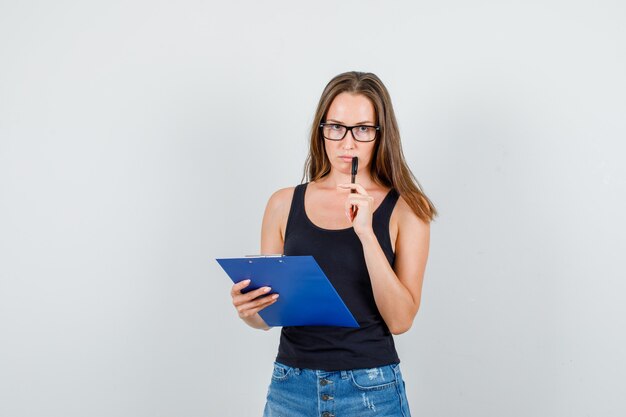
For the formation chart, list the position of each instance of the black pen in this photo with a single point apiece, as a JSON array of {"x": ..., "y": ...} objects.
[{"x": 355, "y": 166}]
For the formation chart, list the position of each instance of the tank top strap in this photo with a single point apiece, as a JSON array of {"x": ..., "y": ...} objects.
[
  {"x": 383, "y": 212},
  {"x": 296, "y": 211},
  {"x": 380, "y": 223}
]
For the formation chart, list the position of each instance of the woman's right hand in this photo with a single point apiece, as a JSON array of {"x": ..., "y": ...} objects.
[{"x": 249, "y": 304}]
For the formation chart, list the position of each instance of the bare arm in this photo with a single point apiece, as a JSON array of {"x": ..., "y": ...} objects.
[
  {"x": 398, "y": 292},
  {"x": 272, "y": 242}
]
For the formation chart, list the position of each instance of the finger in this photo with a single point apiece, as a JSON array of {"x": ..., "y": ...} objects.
[
  {"x": 351, "y": 214},
  {"x": 236, "y": 290},
  {"x": 248, "y": 309},
  {"x": 359, "y": 201},
  {"x": 349, "y": 186},
  {"x": 259, "y": 308},
  {"x": 244, "y": 298}
]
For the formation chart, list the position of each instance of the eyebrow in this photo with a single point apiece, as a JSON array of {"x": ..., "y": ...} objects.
[{"x": 360, "y": 123}]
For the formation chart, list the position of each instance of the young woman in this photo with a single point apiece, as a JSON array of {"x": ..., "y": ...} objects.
[{"x": 372, "y": 244}]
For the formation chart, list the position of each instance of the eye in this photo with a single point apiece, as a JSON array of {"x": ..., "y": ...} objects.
[
  {"x": 336, "y": 127},
  {"x": 363, "y": 128}
]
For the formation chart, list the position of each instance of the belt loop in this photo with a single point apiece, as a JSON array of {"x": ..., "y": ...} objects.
[
  {"x": 344, "y": 374},
  {"x": 296, "y": 371}
]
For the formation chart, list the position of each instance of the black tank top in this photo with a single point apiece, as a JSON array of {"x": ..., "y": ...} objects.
[{"x": 340, "y": 255}]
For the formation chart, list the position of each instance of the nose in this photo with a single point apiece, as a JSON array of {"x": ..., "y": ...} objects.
[{"x": 348, "y": 140}]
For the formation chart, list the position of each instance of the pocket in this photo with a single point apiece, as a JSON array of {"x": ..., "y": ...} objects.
[
  {"x": 374, "y": 378},
  {"x": 281, "y": 372}
]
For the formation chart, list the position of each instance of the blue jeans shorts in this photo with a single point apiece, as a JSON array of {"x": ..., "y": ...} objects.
[{"x": 296, "y": 392}]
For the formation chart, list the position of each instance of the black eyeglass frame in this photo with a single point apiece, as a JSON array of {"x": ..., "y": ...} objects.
[{"x": 349, "y": 129}]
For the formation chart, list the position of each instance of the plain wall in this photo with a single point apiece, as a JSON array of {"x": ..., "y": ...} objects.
[{"x": 140, "y": 140}]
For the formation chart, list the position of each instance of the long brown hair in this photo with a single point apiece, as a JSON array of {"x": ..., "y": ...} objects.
[{"x": 389, "y": 167}]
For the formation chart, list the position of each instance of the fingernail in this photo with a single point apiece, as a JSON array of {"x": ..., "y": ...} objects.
[
  {"x": 267, "y": 289},
  {"x": 275, "y": 296},
  {"x": 247, "y": 281}
]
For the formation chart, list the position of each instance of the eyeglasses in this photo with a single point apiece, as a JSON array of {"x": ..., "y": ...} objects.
[{"x": 335, "y": 131}]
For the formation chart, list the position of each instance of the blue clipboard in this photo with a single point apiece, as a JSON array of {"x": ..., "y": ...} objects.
[{"x": 307, "y": 298}]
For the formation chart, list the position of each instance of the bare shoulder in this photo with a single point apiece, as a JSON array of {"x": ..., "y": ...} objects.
[
  {"x": 277, "y": 210},
  {"x": 406, "y": 219},
  {"x": 281, "y": 199},
  {"x": 412, "y": 242}
]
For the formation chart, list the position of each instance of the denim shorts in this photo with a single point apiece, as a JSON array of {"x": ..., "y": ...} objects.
[{"x": 296, "y": 392}]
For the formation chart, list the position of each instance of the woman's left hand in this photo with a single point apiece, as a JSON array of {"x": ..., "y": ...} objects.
[{"x": 364, "y": 205}]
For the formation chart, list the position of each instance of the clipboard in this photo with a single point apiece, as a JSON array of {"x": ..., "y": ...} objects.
[{"x": 307, "y": 298}]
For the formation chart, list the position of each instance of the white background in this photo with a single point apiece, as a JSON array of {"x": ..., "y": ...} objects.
[{"x": 139, "y": 140}]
